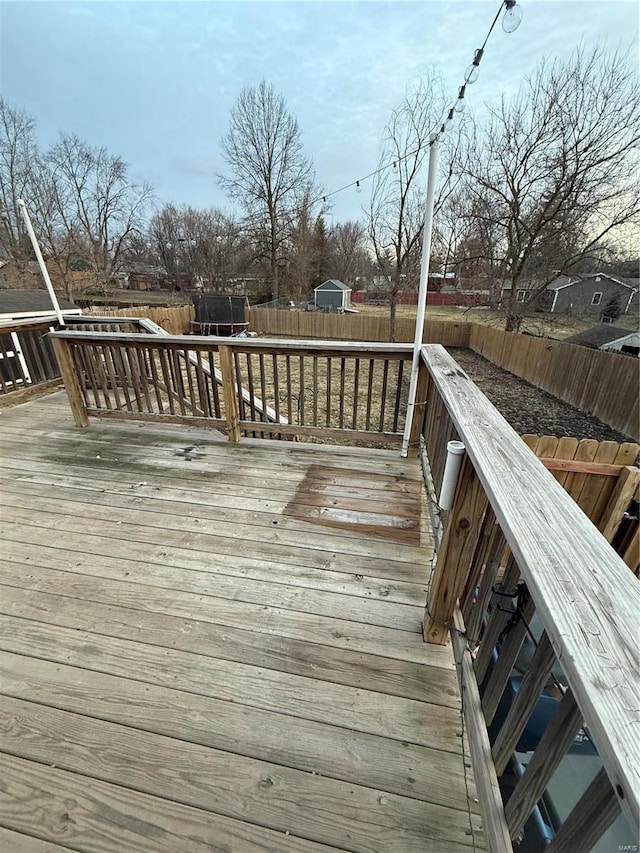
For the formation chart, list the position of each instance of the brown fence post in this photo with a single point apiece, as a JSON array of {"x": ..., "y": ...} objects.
[
  {"x": 225, "y": 358},
  {"x": 72, "y": 384},
  {"x": 455, "y": 555}
]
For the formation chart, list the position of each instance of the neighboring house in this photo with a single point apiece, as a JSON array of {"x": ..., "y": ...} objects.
[
  {"x": 24, "y": 304},
  {"x": 333, "y": 294},
  {"x": 596, "y": 294},
  {"x": 608, "y": 337}
]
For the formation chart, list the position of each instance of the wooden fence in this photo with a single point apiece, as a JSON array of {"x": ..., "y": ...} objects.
[
  {"x": 353, "y": 327},
  {"x": 604, "y": 384},
  {"x": 174, "y": 319}
]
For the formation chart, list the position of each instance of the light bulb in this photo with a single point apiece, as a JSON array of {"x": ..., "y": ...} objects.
[
  {"x": 358, "y": 187},
  {"x": 460, "y": 105},
  {"x": 512, "y": 17},
  {"x": 472, "y": 73}
]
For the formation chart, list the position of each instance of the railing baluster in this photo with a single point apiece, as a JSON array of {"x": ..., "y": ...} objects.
[
  {"x": 553, "y": 745},
  {"x": 328, "y": 392},
  {"x": 356, "y": 380},
  {"x": 214, "y": 385},
  {"x": 113, "y": 379},
  {"x": 495, "y": 553},
  {"x": 188, "y": 369},
  {"x": 242, "y": 414},
  {"x": 343, "y": 363},
  {"x": 229, "y": 392},
  {"x": 396, "y": 410},
  {"x": 83, "y": 358},
  {"x": 498, "y": 619},
  {"x": 263, "y": 388},
  {"x": 251, "y": 389},
  {"x": 477, "y": 564},
  {"x": 591, "y": 817},
  {"x": 372, "y": 364},
  {"x": 135, "y": 378},
  {"x": 502, "y": 668},
  {"x": 301, "y": 396},
  {"x": 315, "y": 390},
  {"x": 203, "y": 387},
  {"x": 523, "y": 704},
  {"x": 101, "y": 374},
  {"x": 383, "y": 392},
  {"x": 167, "y": 376},
  {"x": 156, "y": 380},
  {"x": 276, "y": 386},
  {"x": 287, "y": 364}
]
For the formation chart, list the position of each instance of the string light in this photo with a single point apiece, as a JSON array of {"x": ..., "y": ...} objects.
[
  {"x": 512, "y": 17},
  {"x": 511, "y": 20},
  {"x": 473, "y": 71}
]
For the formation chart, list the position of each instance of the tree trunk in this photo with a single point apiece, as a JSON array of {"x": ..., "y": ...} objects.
[{"x": 274, "y": 275}]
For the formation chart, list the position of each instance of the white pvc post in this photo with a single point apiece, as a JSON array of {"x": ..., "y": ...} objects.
[
  {"x": 40, "y": 259},
  {"x": 422, "y": 293},
  {"x": 455, "y": 455}
]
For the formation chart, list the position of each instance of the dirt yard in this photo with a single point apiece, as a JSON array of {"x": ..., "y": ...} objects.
[{"x": 527, "y": 408}]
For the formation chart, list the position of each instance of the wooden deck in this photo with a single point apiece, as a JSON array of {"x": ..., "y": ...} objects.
[{"x": 207, "y": 647}]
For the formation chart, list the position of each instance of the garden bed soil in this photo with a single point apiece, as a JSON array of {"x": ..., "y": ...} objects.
[{"x": 528, "y": 409}]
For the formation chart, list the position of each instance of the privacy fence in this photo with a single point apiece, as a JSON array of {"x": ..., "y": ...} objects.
[{"x": 601, "y": 383}]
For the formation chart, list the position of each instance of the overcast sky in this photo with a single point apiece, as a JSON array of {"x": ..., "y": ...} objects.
[{"x": 155, "y": 81}]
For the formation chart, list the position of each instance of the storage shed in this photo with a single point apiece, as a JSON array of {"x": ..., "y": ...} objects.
[{"x": 333, "y": 295}]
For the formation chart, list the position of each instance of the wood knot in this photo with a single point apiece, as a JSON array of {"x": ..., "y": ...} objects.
[{"x": 464, "y": 524}]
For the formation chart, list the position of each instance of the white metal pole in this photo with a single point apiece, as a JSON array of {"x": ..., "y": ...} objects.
[
  {"x": 422, "y": 293},
  {"x": 41, "y": 264}
]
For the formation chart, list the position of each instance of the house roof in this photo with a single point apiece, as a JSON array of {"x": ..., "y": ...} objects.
[
  {"x": 567, "y": 281},
  {"x": 334, "y": 284},
  {"x": 31, "y": 301},
  {"x": 597, "y": 336}
]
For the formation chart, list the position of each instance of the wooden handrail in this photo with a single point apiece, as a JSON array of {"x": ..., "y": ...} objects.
[
  {"x": 299, "y": 347},
  {"x": 585, "y": 596}
]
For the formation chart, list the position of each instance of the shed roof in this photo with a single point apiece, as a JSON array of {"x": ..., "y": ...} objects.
[
  {"x": 333, "y": 284},
  {"x": 22, "y": 301},
  {"x": 596, "y": 336}
]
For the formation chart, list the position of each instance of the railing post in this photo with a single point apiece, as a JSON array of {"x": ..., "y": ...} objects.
[
  {"x": 225, "y": 356},
  {"x": 69, "y": 374},
  {"x": 455, "y": 555},
  {"x": 419, "y": 410}
]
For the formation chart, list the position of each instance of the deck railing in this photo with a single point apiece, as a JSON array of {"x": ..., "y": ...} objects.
[
  {"x": 517, "y": 550},
  {"x": 327, "y": 390}
]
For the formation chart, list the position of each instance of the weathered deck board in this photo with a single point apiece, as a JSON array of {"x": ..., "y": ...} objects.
[{"x": 179, "y": 672}]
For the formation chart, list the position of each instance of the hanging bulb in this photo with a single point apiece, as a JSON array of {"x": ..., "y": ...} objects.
[
  {"x": 460, "y": 103},
  {"x": 443, "y": 128},
  {"x": 473, "y": 71},
  {"x": 324, "y": 199},
  {"x": 395, "y": 166},
  {"x": 358, "y": 187},
  {"x": 450, "y": 116},
  {"x": 512, "y": 17}
]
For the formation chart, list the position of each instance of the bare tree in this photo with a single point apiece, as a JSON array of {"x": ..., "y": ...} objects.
[
  {"x": 18, "y": 156},
  {"x": 204, "y": 244},
  {"x": 98, "y": 207},
  {"x": 396, "y": 211},
  {"x": 349, "y": 257},
  {"x": 555, "y": 170},
  {"x": 270, "y": 174}
]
